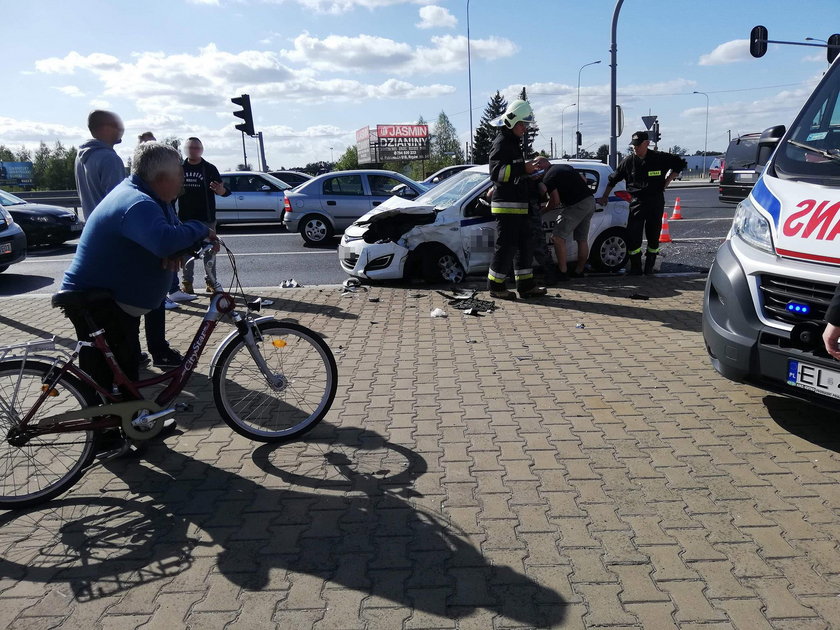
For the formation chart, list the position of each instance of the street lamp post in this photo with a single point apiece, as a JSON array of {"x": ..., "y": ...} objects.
[
  {"x": 469, "y": 78},
  {"x": 706, "y": 138},
  {"x": 562, "y": 133},
  {"x": 577, "y": 126}
]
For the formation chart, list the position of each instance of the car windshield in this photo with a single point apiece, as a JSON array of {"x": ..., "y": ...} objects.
[
  {"x": 277, "y": 182},
  {"x": 451, "y": 190},
  {"x": 742, "y": 153},
  {"x": 8, "y": 199},
  {"x": 818, "y": 128}
]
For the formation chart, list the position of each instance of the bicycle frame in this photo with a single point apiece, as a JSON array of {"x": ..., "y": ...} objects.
[{"x": 221, "y": 305}]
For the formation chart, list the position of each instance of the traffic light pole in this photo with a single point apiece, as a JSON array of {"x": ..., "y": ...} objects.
[
  {"x": 262, "y": 153},
  {"x": 244, "y": 155}
]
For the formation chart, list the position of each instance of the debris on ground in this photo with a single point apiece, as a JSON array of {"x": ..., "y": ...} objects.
[
  {"x": 472, "y": 311},
  {"x": 266, "y": 302},
  {"x": 471, "y": 341},
  {"x": 638, "y": 296},
  {"x": 291, "y": 283},
  {"x": 437, "y": 312},
  {"x": 466, "y": 301},
  {"x": 417, "y": 295},
  {"x": 350, "y": 286},
  {"x": 580, "y": 325},
  {"x": 373, "y": 299}
]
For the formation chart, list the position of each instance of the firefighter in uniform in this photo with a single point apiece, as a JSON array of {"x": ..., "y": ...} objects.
[
  {"x": 647, "y": 174},
  {"x": 510, "y": 173}
]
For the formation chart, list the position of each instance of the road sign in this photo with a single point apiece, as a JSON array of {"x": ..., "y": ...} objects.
[{"x": 648, "y": 120}]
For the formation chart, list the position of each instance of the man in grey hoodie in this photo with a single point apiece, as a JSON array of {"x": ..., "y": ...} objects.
[{"x": 98, "y": 167}]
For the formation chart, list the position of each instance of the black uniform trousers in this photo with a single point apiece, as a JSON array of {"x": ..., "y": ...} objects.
[
  {"x": 514, "y": 244},
  {"x": 645, "y": 218}
]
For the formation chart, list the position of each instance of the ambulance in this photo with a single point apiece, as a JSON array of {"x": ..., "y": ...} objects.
[{"x": 772, "y": 279}]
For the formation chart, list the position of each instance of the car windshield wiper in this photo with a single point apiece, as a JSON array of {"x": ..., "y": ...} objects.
[{"x": 831, "y": 154}]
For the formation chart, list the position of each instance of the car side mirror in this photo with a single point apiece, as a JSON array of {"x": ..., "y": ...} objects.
[
  {"x": 767, "y": 143},
  {"x": 265, "y": 188}
]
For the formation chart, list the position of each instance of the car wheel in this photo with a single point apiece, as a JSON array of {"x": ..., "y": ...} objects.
[
  {"x": 441, "y": 265},
  {"x": 315, "y": 229},
  {"x": 609, "y": 251}
]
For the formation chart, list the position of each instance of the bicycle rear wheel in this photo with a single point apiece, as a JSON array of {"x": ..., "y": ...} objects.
[
  {"x": 288, "y": 402},
  {"x": 49, "y": 464}
]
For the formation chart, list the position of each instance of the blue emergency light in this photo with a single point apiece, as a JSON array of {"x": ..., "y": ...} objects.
[{"x": 798, "y": 308}]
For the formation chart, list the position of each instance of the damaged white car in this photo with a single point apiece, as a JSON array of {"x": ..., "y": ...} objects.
[{"x": 449, "y": 232}]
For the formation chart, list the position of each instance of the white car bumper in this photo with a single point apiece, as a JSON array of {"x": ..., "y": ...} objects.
[{"x": 377, "y": 261}]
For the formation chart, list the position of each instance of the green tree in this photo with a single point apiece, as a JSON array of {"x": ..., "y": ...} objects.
[
  {"x": 348, "y": 160},
  {"x": 678, "y": 150},
  {"x": 603, "y": 153},
  {"x": 23, "y": 155},
  {"x": 6, "y": 154},
  {"x": 533, "y": 129},
  {"x": 485, "y": 133},
  {"x": 40, "y": 164},
  {"x": 445, "y": 147},
  {"x": 174, "y": 142}
]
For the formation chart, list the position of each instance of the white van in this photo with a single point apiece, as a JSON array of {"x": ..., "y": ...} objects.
[
  {"x": 771, "y": 281},
  {"x": 449, "y": 232}
]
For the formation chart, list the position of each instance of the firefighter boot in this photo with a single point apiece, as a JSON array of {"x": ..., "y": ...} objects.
[
  {"x": 650, "y": 261},
  {"x": 499, "y": 291},
  {"x": 635, "y": 264}
]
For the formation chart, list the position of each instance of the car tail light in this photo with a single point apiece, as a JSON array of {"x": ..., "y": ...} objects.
[
  {"x": 623, "y": 195},
  {"x": 287, "y": 207}
]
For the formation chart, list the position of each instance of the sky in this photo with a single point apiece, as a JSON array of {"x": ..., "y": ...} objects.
[{"x": 318, "y": 70}]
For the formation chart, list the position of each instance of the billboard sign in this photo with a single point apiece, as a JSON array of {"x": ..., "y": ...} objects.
[
  {"x": 363, "y": 145},
  {"x": 402, "y": 142}
]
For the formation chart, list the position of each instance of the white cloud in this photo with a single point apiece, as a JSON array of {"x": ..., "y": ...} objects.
[
  {"x": 73, "y": 61},
  {"x": 370, "y": 53},
  {"x": 172, "y": 84},
  {"x": 815, "y": 58},
  {"x": 433, "y": 16},
  {"x": 342, "y": 6},
  {"x": 727, "y": 52},
  {"x": 70, "y": 90}
]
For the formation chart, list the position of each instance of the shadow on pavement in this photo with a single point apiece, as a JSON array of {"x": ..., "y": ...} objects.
[
  {"x": 37, "y": 333},
  {"x": 284, "y": 308},
  {"x": 810, "y": 422},
  {"x": 343, "y": 514},
  {"x": 12, "y": 283}
]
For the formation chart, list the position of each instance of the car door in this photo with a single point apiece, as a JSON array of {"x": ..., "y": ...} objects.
[
  {"x": 343, "y": 199},
  {"x": 478, "y": 232},
  {"x": 226, "y": 211},
  {"x": 257, "y": 199}
]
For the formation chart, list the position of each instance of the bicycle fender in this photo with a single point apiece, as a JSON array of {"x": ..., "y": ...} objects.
[{"x": 229, "y": 340}]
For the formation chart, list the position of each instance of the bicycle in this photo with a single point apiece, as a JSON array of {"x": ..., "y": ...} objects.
[{"x": 272, "y": 382}]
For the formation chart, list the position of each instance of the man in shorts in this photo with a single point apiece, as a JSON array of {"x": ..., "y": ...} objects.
[{"x": 568, "y": 190}]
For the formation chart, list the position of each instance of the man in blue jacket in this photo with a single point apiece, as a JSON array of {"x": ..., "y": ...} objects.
[{"x": 130, "y": 247}]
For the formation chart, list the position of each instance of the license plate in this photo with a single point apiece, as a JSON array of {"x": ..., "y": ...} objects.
[
  {"x": 5, "y": 248},
  {"x": 814, "y": 378},
  {"x": 744, "y": 177},
  {"x": 76, "y": 227}
]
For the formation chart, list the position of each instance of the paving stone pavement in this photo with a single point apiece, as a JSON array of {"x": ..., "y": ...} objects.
[{"x": 506, "y": 471}]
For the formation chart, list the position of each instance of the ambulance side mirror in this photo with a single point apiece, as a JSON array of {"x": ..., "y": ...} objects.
[{"x": 767, "y": 144}]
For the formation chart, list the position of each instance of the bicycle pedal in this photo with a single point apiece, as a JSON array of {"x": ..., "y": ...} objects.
[{"x": 183, "y": 407}]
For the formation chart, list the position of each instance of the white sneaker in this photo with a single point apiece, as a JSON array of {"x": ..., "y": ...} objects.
[
  {"x": 169, "y": 304},
  {"x": 180, "y": 296}
]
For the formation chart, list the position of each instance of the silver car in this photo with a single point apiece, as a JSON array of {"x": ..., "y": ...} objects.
[
  {"x": 331, "y": 202},
  {"x": 254, "y": 198}
]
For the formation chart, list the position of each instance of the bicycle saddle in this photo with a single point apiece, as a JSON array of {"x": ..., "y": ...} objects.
[{"x": 77, "y": 299}]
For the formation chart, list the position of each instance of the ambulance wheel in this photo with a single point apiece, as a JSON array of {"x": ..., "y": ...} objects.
[
  {"x": 441, "y": 265},
  {"x": 609, "y": 251}
]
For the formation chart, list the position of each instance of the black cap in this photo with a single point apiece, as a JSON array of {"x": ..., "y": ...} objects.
[{"x": 639, "y": 137}]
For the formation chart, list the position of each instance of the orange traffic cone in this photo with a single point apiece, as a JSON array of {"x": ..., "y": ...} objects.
[
  {"x": 677, "y": 214},
  {"x": 665, "y": 235}
]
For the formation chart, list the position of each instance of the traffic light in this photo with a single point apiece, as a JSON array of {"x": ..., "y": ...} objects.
[
  {"x": 578, "y": 138},
  {"x": 247, "y": 124},
  {"x": 758, "y": 41},
  {"x": 654, "y": 133},
  {"x": 833, "y": 48}
]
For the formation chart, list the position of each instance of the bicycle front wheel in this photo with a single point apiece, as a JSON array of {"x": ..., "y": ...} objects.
[
  {"x": 48, "y": 464},
  {"x": 291, "y": 398}
]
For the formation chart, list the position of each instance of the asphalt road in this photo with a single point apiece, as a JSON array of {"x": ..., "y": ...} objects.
[{"x": 268, "y": 255}]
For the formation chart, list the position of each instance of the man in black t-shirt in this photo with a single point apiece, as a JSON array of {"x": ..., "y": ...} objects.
[
  {"x": 202, "y": 183},
  {"x": 567, "y": 189}
]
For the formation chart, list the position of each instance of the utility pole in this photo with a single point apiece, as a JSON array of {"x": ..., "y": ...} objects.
[{"x": 613, "y": 82}]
